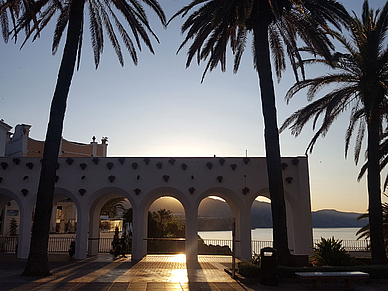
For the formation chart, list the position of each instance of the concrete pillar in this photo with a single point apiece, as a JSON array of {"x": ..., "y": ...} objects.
[
  {"x": 82, "y": 232},
  {"x": 192, "y": 234},
  {"x": 290, "y": 228},
  {"x": 139, "y": 233},
  {"x": 25, "y": 229},
  {"x": 94, "y": 232},
  {"x": 243, "y": 227},
  {"x": 303, "y": 234},
  {"x": 53, "y": 221}
]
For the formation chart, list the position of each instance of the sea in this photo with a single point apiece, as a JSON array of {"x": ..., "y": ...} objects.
[{"x": 265, "y": 234}]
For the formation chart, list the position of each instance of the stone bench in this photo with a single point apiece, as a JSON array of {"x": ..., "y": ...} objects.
[{"x": 318, "y": 277}]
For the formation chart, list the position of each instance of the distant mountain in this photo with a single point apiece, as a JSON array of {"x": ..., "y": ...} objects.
[
  {"x": 216, "y": 215},
  {"x": 330, "y": 218}
]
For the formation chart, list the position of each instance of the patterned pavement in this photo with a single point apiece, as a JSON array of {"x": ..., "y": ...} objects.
[{"x": 154, "y": 272}]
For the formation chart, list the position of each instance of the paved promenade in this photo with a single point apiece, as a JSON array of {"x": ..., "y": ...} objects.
[{"x": 154, "y": 272}]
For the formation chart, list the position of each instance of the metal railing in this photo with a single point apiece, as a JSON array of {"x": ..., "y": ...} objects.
[
  {"x": 173, "y": 245},
  {"x": 361, "y": 245},
  {"x": 59, "y": 244},
  {"x": 257, "y": 245},
  {"x": 8, "y": 244}
]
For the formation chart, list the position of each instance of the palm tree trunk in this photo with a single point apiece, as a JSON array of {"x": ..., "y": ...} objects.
[
  {"x": 374, "y": 191},
  {"x": 37, "y": 263},
  {"x": 272, "y": 147}
]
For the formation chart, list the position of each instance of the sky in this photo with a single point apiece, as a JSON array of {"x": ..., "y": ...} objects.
[{"x": 160, "y": 108}]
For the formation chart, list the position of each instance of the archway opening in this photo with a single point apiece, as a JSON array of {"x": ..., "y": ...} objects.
[
  {"x": 215, "y": 226},
  {"x": 115, "y": 218},
  {"x": 9, "y": 224},
  {"x": 166, "y": 230},
  {"x": 261, "y": 224}
]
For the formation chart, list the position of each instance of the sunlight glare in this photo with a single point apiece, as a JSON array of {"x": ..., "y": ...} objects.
[
  {"x": 263, "y": 199},
  {"x": 179, "y": 258},
  {"x": 217, "y": 198}
]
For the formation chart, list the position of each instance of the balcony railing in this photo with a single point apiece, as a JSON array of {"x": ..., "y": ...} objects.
[{"x": 172, "y": 245}]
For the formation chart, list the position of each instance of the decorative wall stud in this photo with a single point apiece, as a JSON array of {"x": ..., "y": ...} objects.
[
  {"x": 222, "y": 161},
  {"x": 284, "y": 166},
  {"x": 111, "y": 178},
  {"x": 184, "y": 166},
  {"x": 137, "y": 191},
  {"x": 219, "y": 178},
  {"x": 95, "y": 160},
  {"x": 30, "y": 165},
  {"x": 134, "y": 166},
  {"x": 25, "y": 178},
  {"x": 289, "y": 180},
  {"x": 16, "y": 161},
  {"x": 83, "y": 166},
  {"x": 56, "y": 179},
  {"x": 159, "y": 165},
  {"x": 171, "y": 161},
  {"x": 1, "y": 179},
  {"x": 69, "y": 161},
  {"x": 209, "y": 165},
  {"x": 233, "y": 166},
  {"x": 295, "y": 161},
  {"x": 192, "y": 177},
  {"x": 109, "y": 165},
  {"x": 4, "y": 165},
  {"x": 146, "y": 161},
  {"x": 191, "y": 190},
  {"x": 25, "y": 192},
  {"x": 138, "y": 177},
  {"x": 245, "y": 190},
  {"x": 83, "y": 178},
  {"x": 246, "y": 160},
  {"x": 82, "y": 191},
  {"x": 166, "y": 178},
  {"x": 121, "y": 160}
]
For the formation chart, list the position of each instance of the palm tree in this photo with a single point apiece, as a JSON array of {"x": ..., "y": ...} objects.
[
  {"x": 364, "y": 232},
  {"x": 113, "y": 207},
  {"x": 163, "y": 215},
  {"x": 361, "y": 76},
  {"x": 71, "y": 14},
  {"x": 276, "y": 26},
  {"x": 10, "y": 11}
]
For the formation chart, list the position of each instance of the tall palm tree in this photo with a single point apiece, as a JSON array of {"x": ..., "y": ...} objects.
[
  {"x": 361, "y": 78},
  {"x": 10, "y": 10},
  {"x": 71, "y": 15},
  {"x": 276, "y": 27}
]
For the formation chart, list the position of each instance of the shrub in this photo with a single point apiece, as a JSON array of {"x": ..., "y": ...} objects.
[
  {"x": 329, "y": 252},
  {"x": 249, "y": 270}
]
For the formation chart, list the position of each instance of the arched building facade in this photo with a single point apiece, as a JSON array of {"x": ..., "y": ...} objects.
[{"x": 91, "y": 181}]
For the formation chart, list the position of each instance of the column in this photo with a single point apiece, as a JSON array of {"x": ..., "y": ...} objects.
[
  {"x": 25, "y": 229},
  {"x": 53, "y": 221},
  {"x": 191, "y": 234},
  {"x": 243, "y": 225},
  {"x": 82, "y": 232},
  {"x": 94, "y": 233},
  {"x": 139, "y": 233}
]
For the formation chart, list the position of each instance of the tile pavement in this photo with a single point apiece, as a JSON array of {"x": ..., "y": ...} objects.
[{"x": 154, "y": 272}]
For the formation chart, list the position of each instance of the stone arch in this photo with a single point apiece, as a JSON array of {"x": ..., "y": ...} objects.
[
  {"x": 238, "y": 209},
  {"x": 25, "y": 208},
  {"x": 228, "y": 195},
  {"x": 290, "y": 204},
  {"x": 140, "y": 221},
  {"x": 96, "y": 201}
]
